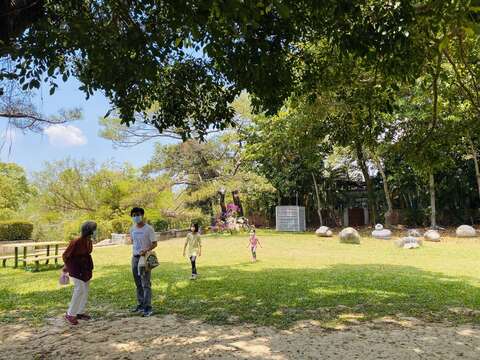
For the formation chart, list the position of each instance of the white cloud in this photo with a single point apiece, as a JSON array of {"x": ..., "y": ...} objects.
[{"x": 65, "y": 135}]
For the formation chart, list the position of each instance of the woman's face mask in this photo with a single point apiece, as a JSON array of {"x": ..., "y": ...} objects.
[{"x": 137, "y": 219}]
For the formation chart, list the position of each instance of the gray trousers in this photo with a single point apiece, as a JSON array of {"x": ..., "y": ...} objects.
[{"x": 143, "y": 284}]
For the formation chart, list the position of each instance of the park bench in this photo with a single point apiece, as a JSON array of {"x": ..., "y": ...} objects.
[
  {"x": 36, "y": 255},
  {"x": 5, "y": 258},
  {"x": 36, "y": 260}
]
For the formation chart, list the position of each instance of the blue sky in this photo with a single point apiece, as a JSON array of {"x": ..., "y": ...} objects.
[{"x": 79, "y": 140}]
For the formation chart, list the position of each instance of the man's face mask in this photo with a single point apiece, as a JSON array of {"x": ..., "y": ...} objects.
[{"x": 137, "y": 219}]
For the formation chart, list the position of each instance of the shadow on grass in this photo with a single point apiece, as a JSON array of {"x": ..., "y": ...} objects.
[{"x": 276, "y": 297}]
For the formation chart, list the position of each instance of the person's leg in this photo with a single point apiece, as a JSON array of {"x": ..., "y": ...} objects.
[
  {"x": 138, "y": 281},
  {"x": 254, "y": 253},
  {"x": 193, "y": 260},
  {"x": 77, "y": 296},
  {"x": 83, "y": 303},
  {"x": 147, "y": 289}
]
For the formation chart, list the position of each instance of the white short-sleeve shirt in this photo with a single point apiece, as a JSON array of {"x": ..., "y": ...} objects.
[{"x": 142, "y": 238}]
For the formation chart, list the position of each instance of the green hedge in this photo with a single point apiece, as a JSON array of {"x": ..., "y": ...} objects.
[
  {"x": 15, "y": 230},
  {"x": 121, "y": 225},
  {"x": 160, "y": 225}
]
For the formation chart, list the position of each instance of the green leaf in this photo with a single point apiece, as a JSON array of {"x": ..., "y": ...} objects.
[{"x": 444, "y": 43}]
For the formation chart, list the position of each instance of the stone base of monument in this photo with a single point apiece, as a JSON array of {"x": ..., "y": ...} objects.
[{"x": 383, "y": 234}]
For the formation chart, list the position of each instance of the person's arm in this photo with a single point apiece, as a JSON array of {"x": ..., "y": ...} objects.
[
  {"x": 67, "y": 254},
  {"x": 153, "y": 244},
  {"x": 185, "y": 246},
  {"x": 199, "y": 246}
]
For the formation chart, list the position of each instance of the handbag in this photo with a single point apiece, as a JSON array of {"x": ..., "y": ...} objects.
[
  {"x": 151, "y": 260},
  {"x": 64, "y": 279}
]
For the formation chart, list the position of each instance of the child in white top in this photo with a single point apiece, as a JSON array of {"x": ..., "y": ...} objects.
[{"x": 194, "y": 248}]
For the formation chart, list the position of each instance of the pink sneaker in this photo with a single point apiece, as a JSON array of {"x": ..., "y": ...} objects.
[
  {"x": 83, "y": 317},
  {"x": 71, "y": 319}
]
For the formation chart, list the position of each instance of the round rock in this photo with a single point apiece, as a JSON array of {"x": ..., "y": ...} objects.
[
  {"x": 323, "y": 231},
  {"x": 432, "y": 235},
  {"x": 466, "y": 231},
  {"x": 349, "y": 236}
]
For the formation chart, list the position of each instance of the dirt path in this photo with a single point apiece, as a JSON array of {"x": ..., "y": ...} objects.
[{"x": 171, "y": 338}]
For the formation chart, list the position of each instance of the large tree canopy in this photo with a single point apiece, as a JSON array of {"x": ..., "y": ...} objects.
[{"x": 192, "y": 57}]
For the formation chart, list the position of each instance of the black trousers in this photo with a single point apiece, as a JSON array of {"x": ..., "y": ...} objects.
[{"x": 193, "y": 259}]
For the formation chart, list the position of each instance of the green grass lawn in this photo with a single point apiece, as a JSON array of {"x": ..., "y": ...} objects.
[{"x": 298, "y": 276}]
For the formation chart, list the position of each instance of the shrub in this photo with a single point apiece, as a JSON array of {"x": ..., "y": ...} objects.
[
  {"x": 15, "y": 230},
  {"x": 415, "y": 216},
  {"x": 7, "y": 215},
  {"x": 71, "y": 229},
  {"x": 104, "y": 230},
  {"x": 201, "y": 221},
  {"x": 121, "y": 225},
  {"x": 160, "y": 225},
  {"x": 48, "y": 232}
]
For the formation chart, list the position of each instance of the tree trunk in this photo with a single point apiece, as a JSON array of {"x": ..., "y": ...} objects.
[
  {"x": 388, "y": 196},
  {"x": 436, "y": 75},
  {"x": 475, "y": 161},
  {"x": 369, "y": 183},
  {"x": 433, "y": 215},
  {"x": 223, "y": 207},
  {"x": 319, "y": 205},
  {"x": 237, "y": 202}
]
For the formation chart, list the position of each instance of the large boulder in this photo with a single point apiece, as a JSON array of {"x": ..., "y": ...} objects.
[
  {"x": 349, "y": 236},
  {"x": 432, "y": 235},
  {"x": 324, "y": 231},
  {"x": 409, "y": 242},
  {"x": 381, "y": 233},
  {"x": 466, "y": 231}
]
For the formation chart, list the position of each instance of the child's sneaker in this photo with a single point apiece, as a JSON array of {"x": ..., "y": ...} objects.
[
  {"x": 194, "y": 277},
  {"x": 137, "y": 309},
  {"x": 71, "y": 319},
  {"x": 84, "y": 317},
  {"x": 147, "y": 312}
]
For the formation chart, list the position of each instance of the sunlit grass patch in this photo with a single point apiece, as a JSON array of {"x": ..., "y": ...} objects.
[{"x": 297, "y": 277}]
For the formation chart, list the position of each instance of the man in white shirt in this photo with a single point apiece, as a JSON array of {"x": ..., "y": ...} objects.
[{"x": 143, "y": 240}]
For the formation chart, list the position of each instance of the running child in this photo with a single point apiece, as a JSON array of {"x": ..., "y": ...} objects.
[{"x": 252, "y": 244}]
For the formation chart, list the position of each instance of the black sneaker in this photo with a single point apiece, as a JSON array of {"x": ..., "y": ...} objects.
[
  {"x": 137, "y": 309},
  {"x": 147, "y": 312}
]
